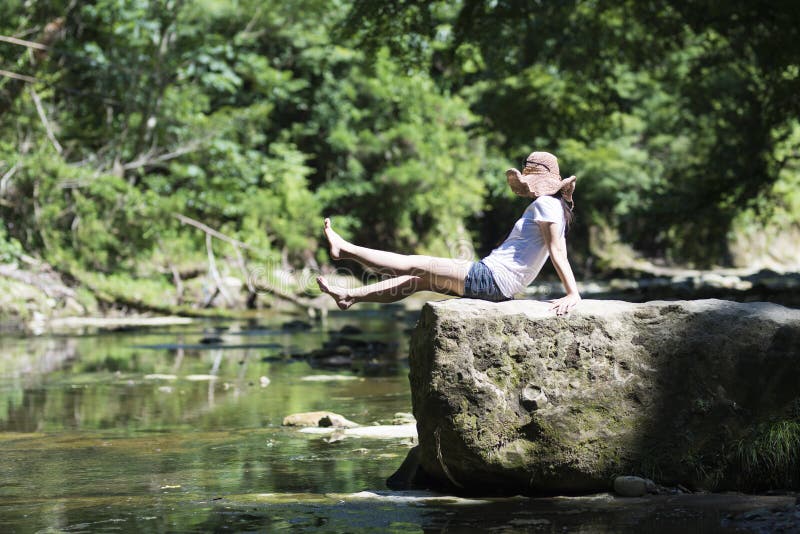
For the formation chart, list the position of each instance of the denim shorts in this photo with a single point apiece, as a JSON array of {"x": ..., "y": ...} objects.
[{"x": 480, "y": 284}]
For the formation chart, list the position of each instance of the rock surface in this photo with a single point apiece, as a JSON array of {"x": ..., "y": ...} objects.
[{"x": 510, "y": 398}]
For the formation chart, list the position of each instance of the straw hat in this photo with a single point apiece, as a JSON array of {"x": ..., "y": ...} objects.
[{"x": 541, "y": 176}]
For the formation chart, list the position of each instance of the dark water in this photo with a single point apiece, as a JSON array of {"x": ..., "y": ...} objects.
[{"x": 150, "y": 430}]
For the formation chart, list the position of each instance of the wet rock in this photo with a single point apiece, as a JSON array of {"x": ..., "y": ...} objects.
[
  {"x": 336, "y": 420},
  {"x": 629, "y": 486},
  {"x": 343, "y": 350},
  {"x": 339, "y": 352},
  {"x": 510, "y": 398},
  {"x": 403, "y": 418},
  {"x": 318, "y": 419}
]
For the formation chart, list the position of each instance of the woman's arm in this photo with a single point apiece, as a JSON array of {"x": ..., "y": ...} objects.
[{"x": 557, "y": 246}]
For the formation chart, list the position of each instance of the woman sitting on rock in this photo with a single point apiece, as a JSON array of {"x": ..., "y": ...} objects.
[{"x": 513, "y": 265}]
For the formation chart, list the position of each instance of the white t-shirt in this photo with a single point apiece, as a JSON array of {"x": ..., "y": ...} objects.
[{"x": 516, "y": 262}]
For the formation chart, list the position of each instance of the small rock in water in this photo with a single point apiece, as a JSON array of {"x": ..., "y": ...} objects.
[
  {"x": 402, "y": 418},
  {"x": 628, "y": 486},
  {"x": 337, "y": 421},
  {"x": 344, "y": 350},
  {"x": 318, "y": 419}
]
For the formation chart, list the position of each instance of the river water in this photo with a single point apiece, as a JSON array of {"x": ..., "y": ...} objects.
[{"x": 153, "y": 430}]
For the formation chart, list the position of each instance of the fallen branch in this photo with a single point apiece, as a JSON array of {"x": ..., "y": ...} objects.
[
  {"x": 45, "y": 122},
  {"x": 315, "y": 304},
  {"x": 147, "y": 160},
  {"x": 6, "y": 177},
  {"x": 212, "y": 269},
  {"x": 15, "y": 76},
  {"x": 207, "y": 229},
  {"x": 252, "y": 294},
  {"x": 23, "y": 42}
]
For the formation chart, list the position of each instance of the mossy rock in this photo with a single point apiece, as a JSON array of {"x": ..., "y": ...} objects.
[{"x": 510, "y": 398}]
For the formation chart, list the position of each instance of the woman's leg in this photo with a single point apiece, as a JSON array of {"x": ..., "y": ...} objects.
[
  {"x": 390, "y": 290},
  {"x": 439, "y": 274}
]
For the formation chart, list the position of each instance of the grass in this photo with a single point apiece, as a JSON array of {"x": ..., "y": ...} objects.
[{"x": 771, "y": 457}]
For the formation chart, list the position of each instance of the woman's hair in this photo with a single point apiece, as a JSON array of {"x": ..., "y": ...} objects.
[{"x": 568, "y": 215}]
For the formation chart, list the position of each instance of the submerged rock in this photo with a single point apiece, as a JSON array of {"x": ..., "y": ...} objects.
[{"x": 510, "y": 398}]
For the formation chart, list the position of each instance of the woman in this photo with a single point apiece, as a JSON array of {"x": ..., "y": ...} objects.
[{"x": 537, "y": 235}]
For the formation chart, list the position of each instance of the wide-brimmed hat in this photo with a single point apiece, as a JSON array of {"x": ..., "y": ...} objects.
[{"x": 542, "y": 175}]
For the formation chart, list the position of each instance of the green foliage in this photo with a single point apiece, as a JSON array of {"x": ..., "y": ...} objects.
[
  {"x": 770, "y": 458},
  {"x": 397, "y": 118},
  {"x": 406, "y": 172},
  {"x": 670, "y": 113},
  {"x": 10, "y": 248}
]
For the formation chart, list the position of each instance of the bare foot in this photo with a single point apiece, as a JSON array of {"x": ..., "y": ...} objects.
[
  {"x": 335, "y": 240},
  {"x": 339, "y": 294}
]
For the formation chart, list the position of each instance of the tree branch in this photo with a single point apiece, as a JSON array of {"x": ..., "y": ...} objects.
[
  {"x": 45, "y": 122},
  {"x": 15, "y": 76},
  {"x": 207, "y": 229},
  {"x": 23, "y": 42},
  {"x": 6, "y": 177},
  {"x": 145, "y": 160},
  {"x": 212, "y": 268}
]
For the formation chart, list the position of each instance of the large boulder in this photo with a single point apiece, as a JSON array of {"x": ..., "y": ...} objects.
[{"x": 510, "y": 398}]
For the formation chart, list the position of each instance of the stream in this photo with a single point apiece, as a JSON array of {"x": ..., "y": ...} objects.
[{"x": 178, "y": 429}]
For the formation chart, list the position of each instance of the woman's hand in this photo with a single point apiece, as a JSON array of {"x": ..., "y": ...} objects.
[{"x": 563, "y": 305}]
